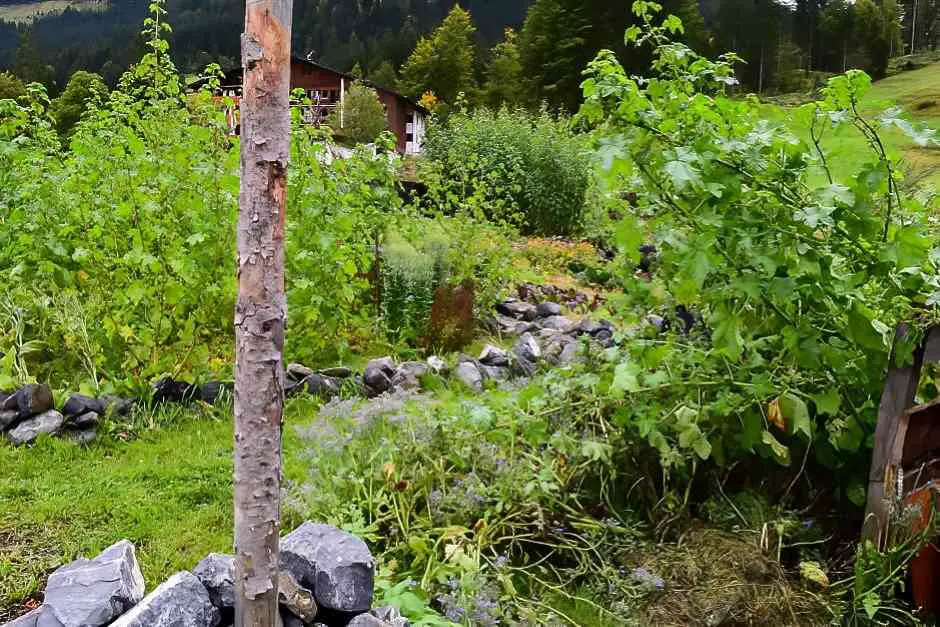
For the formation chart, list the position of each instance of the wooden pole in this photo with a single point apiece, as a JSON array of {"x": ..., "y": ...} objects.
[{"x": 261, "y": 309}]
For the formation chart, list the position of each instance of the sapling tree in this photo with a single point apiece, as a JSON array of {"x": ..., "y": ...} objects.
[{"x": 261, "y": 308}]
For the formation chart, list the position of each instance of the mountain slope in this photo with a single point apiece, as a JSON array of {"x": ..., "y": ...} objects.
[{"x": 338, "y": 32}]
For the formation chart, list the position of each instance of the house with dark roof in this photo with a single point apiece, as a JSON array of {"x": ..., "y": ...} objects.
[{"x": 326, "y": 89}]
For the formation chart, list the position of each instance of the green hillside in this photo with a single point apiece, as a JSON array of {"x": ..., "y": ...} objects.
[{"x": 917, "y": 92}]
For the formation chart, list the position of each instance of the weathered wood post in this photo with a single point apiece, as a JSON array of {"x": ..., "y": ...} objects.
[{"x": 261, "y": 310}]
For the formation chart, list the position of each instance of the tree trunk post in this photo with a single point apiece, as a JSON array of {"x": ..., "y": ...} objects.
[{"x": 261, "y": 310}]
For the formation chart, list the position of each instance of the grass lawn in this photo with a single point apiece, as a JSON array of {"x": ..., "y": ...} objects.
[
  {"x": 169, "y": 491},
  {"x": 917, "y": 91}
]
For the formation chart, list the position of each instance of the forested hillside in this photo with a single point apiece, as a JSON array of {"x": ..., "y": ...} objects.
[
  {"x": 339, "y": 33},
  {"x": 787, "y": 46}
]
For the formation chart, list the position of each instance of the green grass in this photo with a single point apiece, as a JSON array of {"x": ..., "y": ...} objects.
[
  {"x": 917, "y": 91},
  {"x": 169, "y": 491}
]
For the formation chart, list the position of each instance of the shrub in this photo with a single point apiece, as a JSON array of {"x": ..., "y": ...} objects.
[
  {"x": 361, "y": 117},
  {"x": 510, "y": 166}
]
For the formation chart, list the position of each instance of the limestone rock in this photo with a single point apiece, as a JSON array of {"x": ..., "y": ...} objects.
[
  {"x": 180, "y": 601},
  {"x": 8, "y": 418},
  {"x": 527, "y": 348},
  {"x": 408, "y": 376},
  {"x": 32, "y": 399},
  {"x": 216, "y": 572},
  {"x": 437, "y": 365},
  {"x": 517, "y": 309},
  {"x": 335, "y": 565},
  {"x": 493, "y": 356},
  {"x": 295, "y": 598},
  {"x": 89, "y": 593},
  {"x": 547, "y": 309},
  {"x": 88, "y": 420},
  {"x": 299, "y": 372},
  {"x": 559, "y": 323},
  {"x": 31, "y": 428},
  {"x": 468, "y": 374},
  {"x": 79, "y": 404},
  {"x": 391, "y": 615},
  {"x": 378, "y": 375}
]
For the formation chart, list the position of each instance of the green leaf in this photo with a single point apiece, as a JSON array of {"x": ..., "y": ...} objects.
[
  {"x": 781, "y": 452},
  {"x": 796, "y": 413},
  {"x": 683, "y": 174},
  {"x": 828, "y": 402},
  {"x": 625, "y": 378}
]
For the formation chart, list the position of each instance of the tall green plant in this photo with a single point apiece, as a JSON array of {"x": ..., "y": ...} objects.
[
  {"x": 511, "y": 167},
  {"x": 798, "y": 287}
]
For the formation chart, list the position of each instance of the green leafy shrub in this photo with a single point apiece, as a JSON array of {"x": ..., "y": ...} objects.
[
  {"x": 798, "y": 287},
  {"x": 511, "y": 167},
  {"x": 361, "y": 118}
]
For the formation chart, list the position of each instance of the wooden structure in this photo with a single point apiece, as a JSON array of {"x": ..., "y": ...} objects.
[
  {"x": 326, "y": 89},
  {"x": 906, "y": 455}
]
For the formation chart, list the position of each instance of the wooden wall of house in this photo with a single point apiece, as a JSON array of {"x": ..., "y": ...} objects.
[{"x": 398, "y": 114}]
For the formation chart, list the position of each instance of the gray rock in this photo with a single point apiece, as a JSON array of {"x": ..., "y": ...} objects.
[
  {"x": 31, "y": 619},
  {"x": 180, "y": 601},
  {"x": 493, "y": 356},
  {"x": 321, "y": 385},
  {"x": 31, "y": 428},
  {"x": 555, "y": 347},
  {"x": 517, "y": 309},
  {"x": 588, "y": 326},
  {"x": 386, "y": 364},
  {"x": 367, "y": 620},
  {"x": 657, "y": 321},
  {"x": 547, "y": 310},
  {"x": 295, "y": 598},
  {"x": 391, "y": 615},
  {"x": 378, "y": 375},
  {"x": 437, "y": 365},
  {"x": 88, "y": 420},
  {"x": 511, "y": 326},
  {"x": 299, "y": 372},
  {"x": 468, "y": 374},
  {"x": 605, "y": 337},
  {"x": 523, "y": 367},
  {"x": 89, "y": 593},
  {"x": 337, "y": 566},
  {"x": 7, "y": 418},
  {"x": 496, "y": 373},
  {"x": 216, "y": 572},
  {"x": 33, "y": 399},
  {"x": 570, "y": 354},
  {"x": 559, "y": 323},
  {"x": 408, "y": 376},
  {"x": 527, "y": 348},
  {"x": 337, "y": 372},
  {"x": 79, "y": 404}
]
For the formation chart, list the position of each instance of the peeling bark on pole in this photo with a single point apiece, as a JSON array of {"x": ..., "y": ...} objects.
[{"x": 261, "y": 310}]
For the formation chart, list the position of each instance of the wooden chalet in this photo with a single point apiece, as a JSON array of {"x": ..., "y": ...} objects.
[{"x": 326, "y": 88}]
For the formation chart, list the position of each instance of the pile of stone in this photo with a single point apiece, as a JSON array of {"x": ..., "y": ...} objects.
[
  {"x": 326, "y": 580},
  {"x": 29, "y": 412}
]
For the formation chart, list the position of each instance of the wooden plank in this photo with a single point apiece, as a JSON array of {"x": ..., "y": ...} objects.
[
  {"x": 932, "y": 346},
  {"x": 898, "y": 395}
]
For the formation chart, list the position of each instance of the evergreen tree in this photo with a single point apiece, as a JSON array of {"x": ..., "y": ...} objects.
[
  {"x": 68, "y": 108},
  {"x": 504, "y": 80},
  {"x": 11, "y": 87},
  {"x": 443, "y": 63},
  {"x": 362, "y": 116},
  {"x": 384, "y": 75}
]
